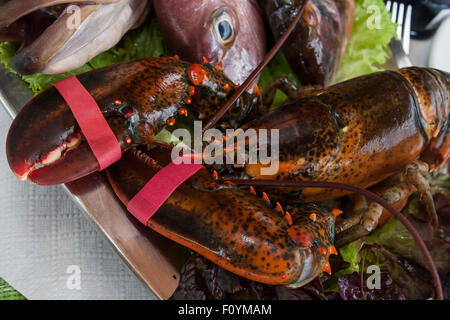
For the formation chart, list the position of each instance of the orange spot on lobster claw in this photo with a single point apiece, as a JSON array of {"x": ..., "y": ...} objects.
[
  {"x": 196, "y": 74},
  {"x": 183, "y": 112},
  {"x": 213, "y": 186},
  {"x": 300, "y": 236},
  {"x": 288, "y": 218},
  {"x": 333, "y": 250},
  {"x": 252, "y": 190},
  {"x": 323, "y": 250},
  {"x": 266, "y": 197},
  {"x": 171, "y": 122},
  {"x": 313, "y": 216},
  {"x": 336, "y": 212},
  {"x": 327, "y": 268},
  {"x": 279, "y": 208},
  {"x": 128, "y": 112}
]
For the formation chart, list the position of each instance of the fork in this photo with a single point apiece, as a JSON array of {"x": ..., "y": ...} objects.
[{"x": 401, "y": 14}]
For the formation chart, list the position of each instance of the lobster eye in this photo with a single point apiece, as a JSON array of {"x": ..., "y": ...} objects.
[
  {"x": 310, "y": 16},
  {"x": 223, "y": 27}
]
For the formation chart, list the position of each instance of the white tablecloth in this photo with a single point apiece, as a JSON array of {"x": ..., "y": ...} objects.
[{"x": 48, "y": 245}]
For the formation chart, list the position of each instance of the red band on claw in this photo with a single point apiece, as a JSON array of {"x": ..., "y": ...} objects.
[
  {"x": 98, "y": 134},
  {"x": 153, "y": 195}
]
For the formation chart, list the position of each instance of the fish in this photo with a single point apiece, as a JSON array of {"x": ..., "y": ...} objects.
[
  {"x": 227, "y": 33},
  {"x": 318, "y": 43},
  {"x": 59, "y": 36}
]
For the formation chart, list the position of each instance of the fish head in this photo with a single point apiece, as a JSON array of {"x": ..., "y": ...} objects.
[
  {"x": 59, "y": 35},
  {"x": 315, "y": 48},
  {"x": 229, "y": 34}
]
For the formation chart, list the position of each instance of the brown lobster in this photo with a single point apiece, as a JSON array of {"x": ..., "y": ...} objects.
[
  {"x": 347, "y": 126},
  {"x": 360, "y": 132},
  {"x": 140, "y": 98},
  {"x": 233, "y": 227}
]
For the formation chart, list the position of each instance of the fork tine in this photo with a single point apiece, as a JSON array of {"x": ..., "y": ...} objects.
[
  {"x": 407, "y": 29},
  {"x": 401, "y": 10},
  {"x": 388, "y": 5},
  {"x": 400, "y": 47},
  {"x": 394, "y": 11}
]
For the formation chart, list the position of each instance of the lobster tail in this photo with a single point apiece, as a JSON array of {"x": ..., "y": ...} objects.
[
  {"x": 443, "y": 78},
  {"x": 431, "y": 88},
  {"x": 432, "y": 91},
  {"x": 231, "y": 226}
]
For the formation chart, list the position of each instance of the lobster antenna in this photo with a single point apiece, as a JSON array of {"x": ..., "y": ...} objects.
[
  {"x": 212, "y": 122},
  {"x": 370, "y": 195}
]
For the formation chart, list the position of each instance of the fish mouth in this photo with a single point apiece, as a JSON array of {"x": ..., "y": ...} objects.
[
  {"x": 60, "y": 35},
  {"x": 12, "y": 11}
]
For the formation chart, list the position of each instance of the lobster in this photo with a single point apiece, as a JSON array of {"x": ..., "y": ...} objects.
[
  {"x": 355, "y": 133},
  {"x": 233, "y": 227},
  {"x": 336, "y": 124},
  {"x": 300, "y": 244},
  {"x": 141, "y": 98}
]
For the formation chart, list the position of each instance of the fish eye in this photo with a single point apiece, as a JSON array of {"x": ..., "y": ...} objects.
[
  {"x": 225, "y": 30},
  {"x": 223, "y": 27},
  {"x": 310, "y": 16}
]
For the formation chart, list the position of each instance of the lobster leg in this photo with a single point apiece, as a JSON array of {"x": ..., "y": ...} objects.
[
  {"x": 289, "y": 88},
  {"x": 414, "y": 174},
  {"x": 283, "y": 84},
  {"x": 365, "y": 216}
]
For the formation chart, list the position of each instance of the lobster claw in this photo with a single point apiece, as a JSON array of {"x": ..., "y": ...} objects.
[
  {"x": 231, "y": 226},
  {"x": 45, "y": 144}
]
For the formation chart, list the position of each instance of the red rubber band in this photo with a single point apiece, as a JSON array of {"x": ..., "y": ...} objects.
[
  {"x": 98, "y": 134},
  {"x": 144, "y": 204}
]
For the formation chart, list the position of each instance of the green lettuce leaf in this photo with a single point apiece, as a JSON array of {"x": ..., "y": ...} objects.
[
  {"x": 350, "y": 258},
  {"x": 367, "y": 50}
]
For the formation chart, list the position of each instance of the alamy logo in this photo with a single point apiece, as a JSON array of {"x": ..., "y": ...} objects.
[
  {"x": 74, "y": 20},
  {"x": 237, "y": 147},
  {"x": 73, "y": 281},
  {"x": 374, "y": 280},
  {"x": 374, "y": 21}
]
